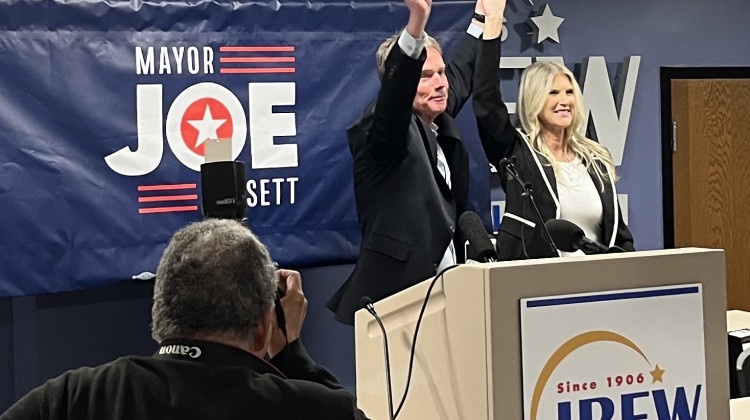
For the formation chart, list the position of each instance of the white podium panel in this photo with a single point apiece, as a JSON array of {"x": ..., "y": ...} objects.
[{"x": 468, "y": 359}]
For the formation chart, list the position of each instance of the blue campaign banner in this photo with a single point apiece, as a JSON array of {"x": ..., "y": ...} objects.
[{"x": 105, "y": 106}]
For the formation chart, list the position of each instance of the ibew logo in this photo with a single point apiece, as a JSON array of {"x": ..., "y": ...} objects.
[
  {"x": 682, "y": 407},
  {"x": 626, "y": 395}
]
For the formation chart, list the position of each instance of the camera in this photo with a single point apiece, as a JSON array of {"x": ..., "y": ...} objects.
[
  {"x": 222, "y": 182},
  {"x": 223, "y": 190}
]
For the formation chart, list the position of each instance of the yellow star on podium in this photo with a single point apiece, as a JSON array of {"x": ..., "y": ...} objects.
[{"x": 657, "y": 374}]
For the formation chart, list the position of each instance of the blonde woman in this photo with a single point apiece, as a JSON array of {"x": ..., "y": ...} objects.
[{"x": 570, "y": 176}]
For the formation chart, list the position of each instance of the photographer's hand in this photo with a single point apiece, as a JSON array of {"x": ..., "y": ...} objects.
[{"x": 294, "y": 304}]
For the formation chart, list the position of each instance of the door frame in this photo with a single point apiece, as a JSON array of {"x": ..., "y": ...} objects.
[{"x": 666, "y": 75}]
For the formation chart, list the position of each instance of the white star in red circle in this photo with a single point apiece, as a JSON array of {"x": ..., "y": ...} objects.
[{"x": 207, "y": 127}]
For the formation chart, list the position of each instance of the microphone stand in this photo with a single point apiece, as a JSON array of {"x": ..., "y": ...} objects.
[{"x": 510, "y": 169}]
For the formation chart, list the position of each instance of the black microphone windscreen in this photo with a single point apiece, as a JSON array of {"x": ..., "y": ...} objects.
[
  {"x": 364, "y": 301},
  {"x": 565, "y": 234},
  {"x": 480, "y": 246}
]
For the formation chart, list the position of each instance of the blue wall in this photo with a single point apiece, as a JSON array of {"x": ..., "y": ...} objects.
[{"x": 42, "y": 336}]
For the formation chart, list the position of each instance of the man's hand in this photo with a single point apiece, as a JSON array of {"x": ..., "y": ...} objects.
[
  {"x": 493, "y": 11},
  {"x": 479, "y": 8},
  {"x": 419, "y": 12},
  {"x": 294, "y": 304},
  {"x": 492, "y": 8}
]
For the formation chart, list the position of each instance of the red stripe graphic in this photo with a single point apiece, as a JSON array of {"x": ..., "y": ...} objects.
[
  {"x": 167, "y": 198},
  {"x": 259, "y": 70},
  {"x": 163, "y": 199},
  {"x": 257, "y": 60},
  {"x": 166, "y": 187},
  {"x": 286, "y": 48},
  {"x": 245, "y": 60},
  {"x": 167, "y": 209}
]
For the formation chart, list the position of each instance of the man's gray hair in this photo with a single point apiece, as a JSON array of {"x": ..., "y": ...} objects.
[
  {"x": 385, "y": 48},
  {"x": 215, "y": 276}
]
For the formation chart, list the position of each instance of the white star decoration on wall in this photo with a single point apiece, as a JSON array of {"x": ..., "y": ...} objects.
[{"x": 546, "y": 26}]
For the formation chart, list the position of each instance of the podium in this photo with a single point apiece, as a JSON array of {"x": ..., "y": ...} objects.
[{"x": 470, "y": 354}]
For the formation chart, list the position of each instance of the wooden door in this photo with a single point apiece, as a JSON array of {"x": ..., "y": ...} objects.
[{"x": 711, "y": 174}]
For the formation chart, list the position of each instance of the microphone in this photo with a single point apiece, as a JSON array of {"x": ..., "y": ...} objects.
[
  {"x": 480, "y": 246},
  {"x": 570, "y": 238},
  {"x": 366, "y": 302}
]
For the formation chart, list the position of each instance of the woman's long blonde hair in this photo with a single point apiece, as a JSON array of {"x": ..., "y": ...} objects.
[{"x": 536, "y": 82}]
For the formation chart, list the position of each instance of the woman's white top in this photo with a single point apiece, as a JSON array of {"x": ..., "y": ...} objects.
[{"x": 579, "y": 200}]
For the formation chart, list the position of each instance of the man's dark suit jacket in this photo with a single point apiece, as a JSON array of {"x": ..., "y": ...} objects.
[{"x": 407, "y": 212}]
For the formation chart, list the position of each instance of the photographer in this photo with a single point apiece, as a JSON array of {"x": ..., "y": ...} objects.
[{"x": 214, "y": 319}]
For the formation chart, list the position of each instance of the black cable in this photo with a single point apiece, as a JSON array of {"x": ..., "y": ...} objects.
[
  {"x": 416, "y": 331},
  {"x": 523, "y": 238},
  {"x": 366, "y": 302}
]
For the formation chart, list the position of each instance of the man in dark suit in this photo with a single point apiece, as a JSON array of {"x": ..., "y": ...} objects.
[
  {"x": 410, "y": 162},
  {"x": 215, "y": 321}
]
